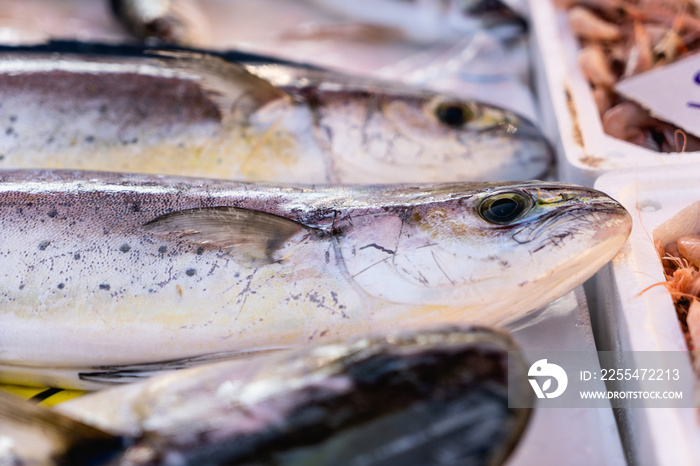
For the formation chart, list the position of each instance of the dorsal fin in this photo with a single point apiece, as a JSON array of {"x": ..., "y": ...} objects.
[
  {"x": 256, "y": 235},
  {"x": 231, "y": 86},
  {"x": 63, "y": 439}
]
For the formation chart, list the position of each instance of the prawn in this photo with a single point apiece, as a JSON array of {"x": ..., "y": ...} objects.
[{"x": 683, "y": 284}]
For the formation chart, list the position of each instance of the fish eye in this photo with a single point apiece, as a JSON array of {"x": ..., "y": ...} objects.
[
  {"x": 454, "y": 114},
  {"x": 504, "y": 208}
]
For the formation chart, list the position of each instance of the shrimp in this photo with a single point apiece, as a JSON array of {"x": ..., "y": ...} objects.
[
  {"x": 640, "y": 57},
  {"x": 689, "y": 247},
  {"x": 588, "y": 25},
  {"x": 630, "y": 122},
  {"x": 622, "y": 39},
  {"x": 683, "y": 284},
  {"x": 595, "y": 66}
]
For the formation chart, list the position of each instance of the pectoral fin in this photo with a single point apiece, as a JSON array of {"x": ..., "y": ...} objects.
[
  {"x": 254, "y": 235},
  {"x": 231, "y": 86}
]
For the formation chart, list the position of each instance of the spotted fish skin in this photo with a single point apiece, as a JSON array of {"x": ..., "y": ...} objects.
[
  {"x": 108, "y": 269},
  {"x": 193, "y": 114}
]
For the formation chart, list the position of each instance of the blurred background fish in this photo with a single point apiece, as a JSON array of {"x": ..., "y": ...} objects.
[
  {"x": 438, "y": 396},
  {"x": 422, "y": 21},
  {"x": 426, "y": 21},
  {"x": 473, "y": 63}
]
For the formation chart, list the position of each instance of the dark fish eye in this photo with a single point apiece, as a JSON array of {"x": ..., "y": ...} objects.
[
  {"x": 454, "y": 114},
  {"x": 504, "y": 208}
]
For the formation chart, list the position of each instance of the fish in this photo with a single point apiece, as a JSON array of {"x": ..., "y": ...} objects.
[
  {"x": 111, "y": 274},
  {"x": 435, "y": 396},
  {"x": 423, "y": 22},
  {"x": 431, "y": 21},
  {"x": 196, "y": 114},
  {"x": 171, "y": 21}
]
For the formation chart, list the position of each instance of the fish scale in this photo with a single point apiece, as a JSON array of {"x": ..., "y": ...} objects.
[
  {"x": 115, "y": 270},
  {"x": 194, "y": 114}
]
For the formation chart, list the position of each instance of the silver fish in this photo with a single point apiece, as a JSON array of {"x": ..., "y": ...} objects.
[
  {"x": 198, "y": 115},
  {"x": 434, "y": 397},
  {"x": 102, "y": 271},
  {"x": 429, "y": 21},
  {"x": 421, "y": 21},
  {"x": 170, "y": 21}
]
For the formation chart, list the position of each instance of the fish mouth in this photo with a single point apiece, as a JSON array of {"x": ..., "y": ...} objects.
[
  {"x": 503, "y": 122},
  {"x": 521, "y": 127},
  {"x": 605, "y": 217}
]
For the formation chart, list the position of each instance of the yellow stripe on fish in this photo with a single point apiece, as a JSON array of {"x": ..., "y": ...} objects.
[{"x": 46, "y": 396}]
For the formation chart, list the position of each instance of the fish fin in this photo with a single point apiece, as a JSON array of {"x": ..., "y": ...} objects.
[
  {"x": 128, "y": 373},
  {"x": 233, "y": 88},
  {"x": 70, "y": 441},
  {"x": 255, "y": 235}
]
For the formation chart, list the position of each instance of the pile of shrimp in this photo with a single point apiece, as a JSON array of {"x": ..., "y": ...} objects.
[
  {"x": 622, "y": 38},
  {"x": 681, "y": 262}
]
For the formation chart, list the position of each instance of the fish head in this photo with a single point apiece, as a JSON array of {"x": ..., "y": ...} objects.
[
  {"x": 488, "y": 254},
  {"x": 389, "y": 136},
  {"x": 495, "y": 16}
]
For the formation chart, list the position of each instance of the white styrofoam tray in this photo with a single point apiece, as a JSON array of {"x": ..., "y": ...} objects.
[
  {"x": 565, "y": 436},
  {"x": 634, "y": 314},
  {"x": 569, "y": 113}
]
